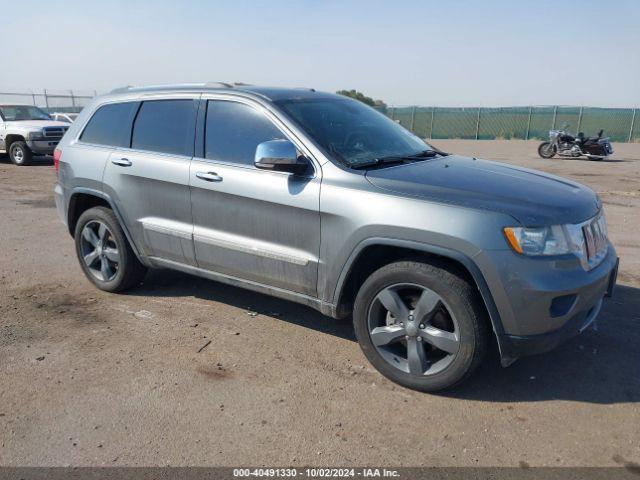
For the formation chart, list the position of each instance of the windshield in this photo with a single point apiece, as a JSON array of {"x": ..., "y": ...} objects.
[
  {"x": 12, "y": 113},
  {"x": 351, "y": 131}
]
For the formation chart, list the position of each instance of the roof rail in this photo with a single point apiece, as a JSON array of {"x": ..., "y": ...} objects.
[
  {"x": 130, "y": 88},
  {"x": 167, "y": 86},
  {"x": 219, "y": 84},
  {"x": 227, "y": 84},
  {"x": 121, "y": 89}
]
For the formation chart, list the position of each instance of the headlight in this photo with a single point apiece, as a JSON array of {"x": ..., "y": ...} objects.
[
  {"x": 551, "y": 240},
  {"x": 35, "y": 135}
]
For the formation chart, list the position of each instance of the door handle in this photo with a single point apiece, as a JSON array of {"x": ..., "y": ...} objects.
[
  {"x": 123, "y": 162},
  {"x": 209, "y": 176}
]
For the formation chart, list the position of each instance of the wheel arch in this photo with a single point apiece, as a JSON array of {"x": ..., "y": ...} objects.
[
  {"x": 12, "y": 137},
  {"x": 374, "y": 253},
  {"x": 82, "y": 199}
]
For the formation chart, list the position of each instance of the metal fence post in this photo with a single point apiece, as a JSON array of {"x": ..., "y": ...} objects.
[
  {"x": 33, "y": 96},
  {"x": 393, "y": 113},
  {"x": 526, "y": 137},
  {"x": 555, "y": 114},
  {"x": 433, "y": 109},
  {"x": 413, "y": 118},
  {"x": 579, "y": 120},
  {"x": 478, "y": 123},
  {"x": 73, "y": 100},
  {"x": 633, "y": 122},
  {"x": 46, "y": 99}
]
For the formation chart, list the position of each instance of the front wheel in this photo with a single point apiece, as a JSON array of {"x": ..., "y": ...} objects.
[
  {"x": 19, "y": 153},
  {"x": 546, "y": 150},
  {"x": 420, "y": 325}
]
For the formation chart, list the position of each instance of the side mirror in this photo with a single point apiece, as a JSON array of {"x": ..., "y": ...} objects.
[{"x": 280, "y": 156}]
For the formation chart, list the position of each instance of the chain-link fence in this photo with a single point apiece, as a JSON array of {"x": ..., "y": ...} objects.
[
  {"x": 483, "y": 123},
  {"x": 621, "y": 124},
  {"x": 67, "y": 101}
]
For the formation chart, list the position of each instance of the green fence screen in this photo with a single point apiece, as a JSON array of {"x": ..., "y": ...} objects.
[{"x": 528, "y": 123}]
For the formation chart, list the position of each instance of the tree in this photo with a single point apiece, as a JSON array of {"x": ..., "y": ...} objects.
[{"x": 362, "y": 97}]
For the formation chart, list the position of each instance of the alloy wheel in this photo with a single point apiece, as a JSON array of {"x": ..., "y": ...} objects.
[
  {"x": 99, "y": 251},
  {"x": 18, "y": 154},
  {"x": 413, "y": 329}
]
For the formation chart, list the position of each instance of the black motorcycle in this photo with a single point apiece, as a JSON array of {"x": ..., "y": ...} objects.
[{"x": 563, "y": 144}]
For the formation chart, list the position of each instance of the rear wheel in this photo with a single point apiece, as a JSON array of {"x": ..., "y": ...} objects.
[
  {"x": 104, "y": 253},
  {"x": 420, "y": 326},
  {"x": 19, "y": 153},
  {"x": 546, "y": 150}
]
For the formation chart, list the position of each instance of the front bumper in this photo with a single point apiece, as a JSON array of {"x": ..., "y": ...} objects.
[
  {"x": 513, "y": 347},
  {"x": 42, "y": 147},
  {"x": 546, "y": 302}
]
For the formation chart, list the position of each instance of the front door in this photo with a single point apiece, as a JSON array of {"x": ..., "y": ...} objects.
[{"x": 252, "y": 224}]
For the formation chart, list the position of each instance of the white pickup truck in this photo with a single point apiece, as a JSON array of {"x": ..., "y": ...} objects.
[{"x": 26, "y": 130}]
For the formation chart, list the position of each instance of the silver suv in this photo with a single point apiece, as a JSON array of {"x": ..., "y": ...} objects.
[
  {"x": 26, "y": 131},
  {"x": 319, "y": 199}
]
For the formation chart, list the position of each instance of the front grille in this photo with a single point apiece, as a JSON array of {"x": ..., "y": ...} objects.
[
  {"x": 595, "y": 240},
  {"x": 54, "y": 133}
]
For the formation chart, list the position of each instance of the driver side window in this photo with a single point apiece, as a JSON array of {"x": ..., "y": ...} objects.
[{"x": 233, "y": 130}]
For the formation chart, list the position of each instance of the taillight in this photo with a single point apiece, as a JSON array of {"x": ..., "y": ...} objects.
[{"x": 57, "y": 153}]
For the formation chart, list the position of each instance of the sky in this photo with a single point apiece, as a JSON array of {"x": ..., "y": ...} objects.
[{"x": 405, "y": 52}]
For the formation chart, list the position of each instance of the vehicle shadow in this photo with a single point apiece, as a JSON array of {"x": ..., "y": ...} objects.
[
  {"x": 36, "y": 161},
  {"x": 167, "y": 283},
  {"x": 599, "y": 366}
]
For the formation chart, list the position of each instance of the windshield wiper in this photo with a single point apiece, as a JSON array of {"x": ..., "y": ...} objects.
[
  {"x": 377, "y": 161},
  {"x": 390, "y": 159},
  {"x": 428, "y": 154}
]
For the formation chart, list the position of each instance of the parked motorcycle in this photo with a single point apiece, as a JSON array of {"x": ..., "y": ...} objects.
[{"x": 563, "y": 144}]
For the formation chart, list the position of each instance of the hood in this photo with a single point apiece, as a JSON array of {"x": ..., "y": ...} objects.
[
  {"x": 37, "y": 124},
  {"x": 531, "y": 197}
]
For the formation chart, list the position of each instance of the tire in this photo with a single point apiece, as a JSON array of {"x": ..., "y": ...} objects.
[
  {"x": 100, "y": 241},
  {"x": 546, "y": 150},
  {"x": 459, "y": 312},
  {"x": 20, "y": 154}
]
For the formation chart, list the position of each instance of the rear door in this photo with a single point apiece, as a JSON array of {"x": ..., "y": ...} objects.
[
  {"x": 149, "y": 179},
  {"x": 253, "y": 224}
]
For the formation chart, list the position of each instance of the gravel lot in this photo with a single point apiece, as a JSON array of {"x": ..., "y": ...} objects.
[{"x": 91, "y": 378}]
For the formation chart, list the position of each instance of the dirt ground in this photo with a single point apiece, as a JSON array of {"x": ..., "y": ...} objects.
[{"x": 91, "y": 378}]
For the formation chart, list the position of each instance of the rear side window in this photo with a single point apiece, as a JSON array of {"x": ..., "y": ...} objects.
[
  {"x": 165, "y": 126},
  {"x": 111, "y": 125},
  {"x": 234, "y": 130}
]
